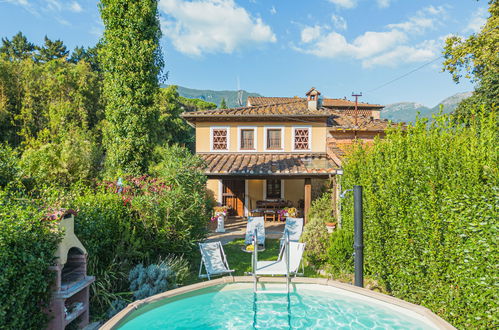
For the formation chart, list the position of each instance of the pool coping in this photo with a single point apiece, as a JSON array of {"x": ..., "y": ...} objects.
[{"x": 423, "y": 311}]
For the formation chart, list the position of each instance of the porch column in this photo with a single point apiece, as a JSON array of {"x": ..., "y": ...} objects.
[{"x": 308, "y": 198}]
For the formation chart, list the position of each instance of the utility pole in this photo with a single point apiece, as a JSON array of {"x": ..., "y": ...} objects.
[
  {"x": 356, "y": 113},
  {"x": 356, "y": 104}
]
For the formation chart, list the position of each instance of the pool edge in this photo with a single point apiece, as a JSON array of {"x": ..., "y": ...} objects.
[{"x": 423, "y": 311}]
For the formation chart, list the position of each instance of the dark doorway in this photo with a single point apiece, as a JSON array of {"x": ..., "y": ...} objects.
[{"x": 233, "y": 196}]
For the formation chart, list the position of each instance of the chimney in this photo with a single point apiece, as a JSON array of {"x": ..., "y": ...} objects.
[{"x": 313, "y": 99}]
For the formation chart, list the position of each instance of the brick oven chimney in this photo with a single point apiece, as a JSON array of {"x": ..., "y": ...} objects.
[{"x": 313, "y": 99}]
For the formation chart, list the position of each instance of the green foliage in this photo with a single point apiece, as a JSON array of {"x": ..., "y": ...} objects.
[
  {"x": 52, "y": 110},
  {"x": 157, "y": 278},
  {"x": 430, "y": 215},
  {"x": 223, "y": 105},
  {"x": 9, "y": 167},
  {"x": 27, "y": 247},
  {"x": 19, "y": 48},
  {"x": 478, "y": 59},
  {"x": 51, "y": 50},
  {"x": 340, "y": 252},
  {"x": 195, "y": 104},
  {"x": 172, "y": 128},
  {"x": 131, "y": 61},
  {"x": 315, "y": 233},
  {"x": 151, "y": 218},
  {"x": 88, "y": 55}
]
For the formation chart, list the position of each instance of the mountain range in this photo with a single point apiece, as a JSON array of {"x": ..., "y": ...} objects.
[
  {"x": 407, "y": 111},
  {"x": 400, "y": 111}
]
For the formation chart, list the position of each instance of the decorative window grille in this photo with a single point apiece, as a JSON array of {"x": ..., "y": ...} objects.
[
  {"x": 220, "y": 139},
  {"x": 247, "y": 139},
  {"x": 273, "y": 189},
  {"x": 302, "y": 139},
  {"x": 274, "y": 139}
]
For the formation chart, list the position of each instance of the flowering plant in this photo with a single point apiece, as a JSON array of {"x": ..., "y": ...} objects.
[
  {"x": 288, "y": 212},
  {"x": 57, "y": 213},
  {"x": 218, "y": 211}
]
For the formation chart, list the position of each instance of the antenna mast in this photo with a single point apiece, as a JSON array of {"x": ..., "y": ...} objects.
[
  {"x": 239, "y": 94},
  {"x": 356, "y": 109}
]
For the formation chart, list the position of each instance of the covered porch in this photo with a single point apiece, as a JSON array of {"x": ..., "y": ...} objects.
[{"x": 264, "y": 184}]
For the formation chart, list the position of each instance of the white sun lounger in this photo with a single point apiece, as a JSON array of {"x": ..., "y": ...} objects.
[
  {"x": 214, "y": 260},
  {"x": 258, "y": 224},
  {"x": 294, "y": 226},
  {"x": 278, "y": 267}
]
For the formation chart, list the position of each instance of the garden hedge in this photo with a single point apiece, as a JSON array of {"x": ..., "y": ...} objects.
[
  {"x": 431, "y": 217},
  {"x": 27, "y": 247}
]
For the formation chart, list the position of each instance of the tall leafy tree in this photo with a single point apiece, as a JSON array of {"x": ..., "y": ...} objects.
[
  {"x": 131, "y": 61},
  {"x": 51, "y": 50},
  {"x": 477, "y": 58},
  {"x": 19, "y": 48},
  {"x": 223, "y": 104},
  {"x": 88, "y": 55}
]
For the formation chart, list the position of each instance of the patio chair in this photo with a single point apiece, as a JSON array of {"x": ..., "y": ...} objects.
[
  {"x": 278, "y": 267},
  {"x": 294, "y": 226},
  {"x": 258, "y": 224},
  {"x": 214, "y": 260}
]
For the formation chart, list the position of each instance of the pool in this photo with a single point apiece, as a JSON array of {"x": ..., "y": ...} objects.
[{"x": 312, "y": 303}]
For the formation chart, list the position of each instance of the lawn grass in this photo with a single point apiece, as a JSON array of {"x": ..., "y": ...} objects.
[{"x": 240, "y": 261}]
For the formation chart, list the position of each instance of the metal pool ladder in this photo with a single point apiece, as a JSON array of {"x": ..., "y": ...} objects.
[{"x": 256, "y": 292}]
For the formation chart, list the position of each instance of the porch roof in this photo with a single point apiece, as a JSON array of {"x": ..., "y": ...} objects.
[{"x": 268, "y": 164}]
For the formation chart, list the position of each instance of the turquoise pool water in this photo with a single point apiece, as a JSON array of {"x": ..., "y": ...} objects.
[{"x": 232, "y": 306}]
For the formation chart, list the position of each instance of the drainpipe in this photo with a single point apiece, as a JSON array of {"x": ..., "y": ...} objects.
[{"x": 358, "y": 244}]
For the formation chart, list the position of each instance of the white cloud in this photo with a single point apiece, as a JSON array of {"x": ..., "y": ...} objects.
[
  {"x": 345, "y": 3},
  {"x": 377, "y": 48},
  {"x": 370, "y": 43},
  {"x": 273, "y": 11},
  {"x": 424, "y": 51},
  {"x": 309, "y": 33},
  {"x": 18, "y": 2},
  {"x": 211, "y": 26},
  {"x": 477, "y": 20},
  {"x": 383, "y": 3},
  {"x": 424, "y": 19},
  {"x": 75, "y": 7},
  {"x": 339, "y": 22}
]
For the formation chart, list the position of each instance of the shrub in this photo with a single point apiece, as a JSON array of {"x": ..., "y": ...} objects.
[
  {"x": 8, "y": 164},
  {"x": 340, "y": 252},
  {"x": 156, "y": 278},
  {"x": 315, "y": 233},
  {"x": 430, "y": 215},
  {"x": 27, "y": 247}
]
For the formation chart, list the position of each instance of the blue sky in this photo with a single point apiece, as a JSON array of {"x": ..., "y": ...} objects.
[{"x": 283, "y": 47}]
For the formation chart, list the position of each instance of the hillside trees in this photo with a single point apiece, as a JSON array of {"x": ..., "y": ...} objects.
[
  {"x": 51, "y": 111},
  {"x": 51, "y": 50},
  {"x": 131, "y": 62},
  {"x": 19, "y": 48}
]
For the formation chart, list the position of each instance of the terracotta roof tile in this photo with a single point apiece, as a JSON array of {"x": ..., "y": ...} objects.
[
  {"x": 326, "y": 102},
  {"x": 268, "y": 164}
]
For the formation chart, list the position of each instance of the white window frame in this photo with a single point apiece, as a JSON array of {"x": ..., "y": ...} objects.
[
  {"x": 309, "y": 138},
  {"x": 255, "y": 139},
  {"x": 211, "y": 138},
  {"x": 265, "y": 189},
  {"x": 265, "y": 129}
]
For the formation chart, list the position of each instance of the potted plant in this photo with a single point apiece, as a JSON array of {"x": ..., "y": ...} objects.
[
  {"x": 219, "y": 214},
  {"x": 330, "y": 226},
  {"x": 288, "y": 212}
]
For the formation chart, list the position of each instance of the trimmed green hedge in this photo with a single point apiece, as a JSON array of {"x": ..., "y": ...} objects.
[
  {"x": 27, "y": 247},
  {"x": 431, "y": 216}
]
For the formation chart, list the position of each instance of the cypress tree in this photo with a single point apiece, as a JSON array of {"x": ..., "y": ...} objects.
[
  {"x": 131, "y": 61},
  {"x": 223, "y": 104}
]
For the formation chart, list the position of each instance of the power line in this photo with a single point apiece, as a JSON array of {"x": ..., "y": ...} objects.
[{"x": 404, "y": 75}]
